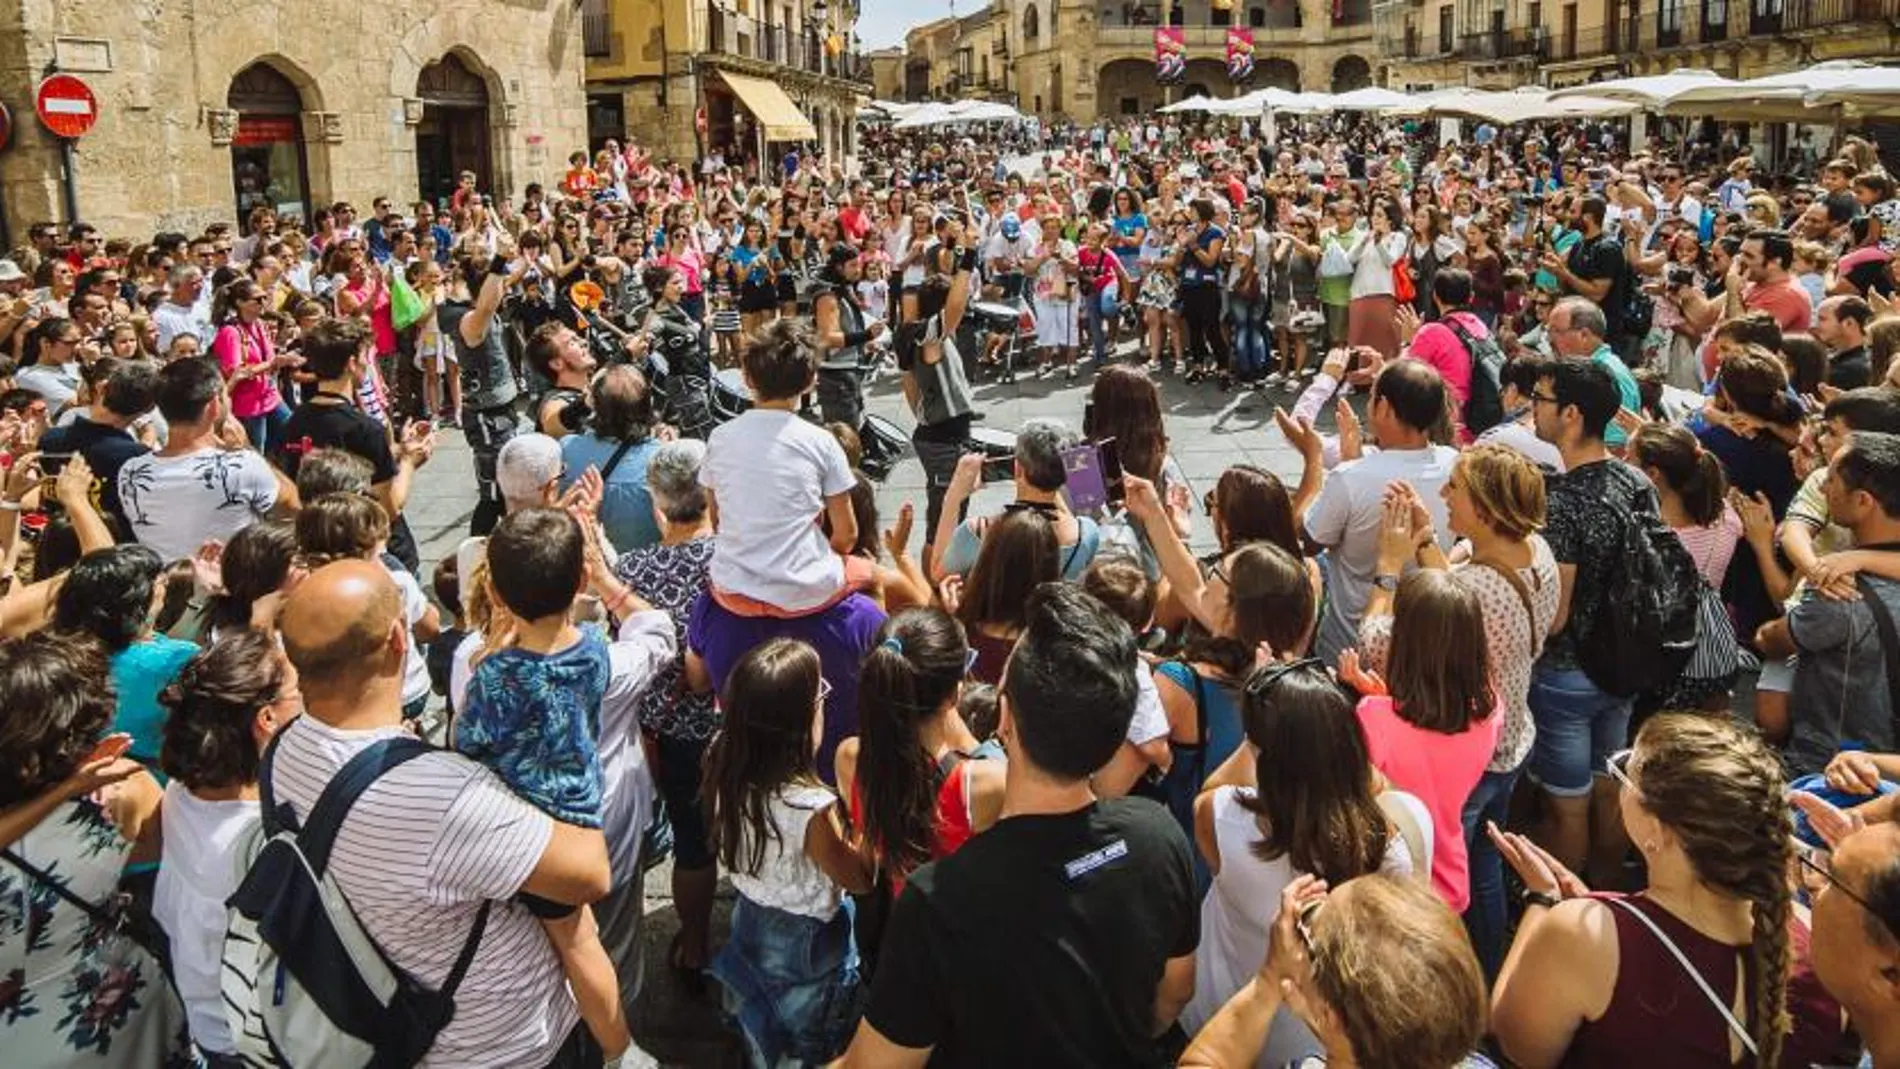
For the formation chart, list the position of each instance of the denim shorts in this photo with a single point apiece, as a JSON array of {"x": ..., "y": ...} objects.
[{"x": 1578, "y": 728}]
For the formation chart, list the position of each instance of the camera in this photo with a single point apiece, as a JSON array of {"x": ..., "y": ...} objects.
[{"x": 1678, "y": 276}]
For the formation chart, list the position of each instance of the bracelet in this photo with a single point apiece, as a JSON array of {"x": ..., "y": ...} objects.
[{"x": 1538, "y": 898}]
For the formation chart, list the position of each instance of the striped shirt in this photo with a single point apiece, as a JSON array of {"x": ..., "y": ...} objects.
[{"x": 416, "y": 856}]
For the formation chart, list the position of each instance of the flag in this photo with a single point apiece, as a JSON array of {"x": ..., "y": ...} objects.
[
  {"x": 1240, "y": 56},
  {"x": 1170, "y": 55}
]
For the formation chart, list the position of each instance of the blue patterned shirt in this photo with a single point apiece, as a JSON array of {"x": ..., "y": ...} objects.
[{"x": 535, "y": 720}]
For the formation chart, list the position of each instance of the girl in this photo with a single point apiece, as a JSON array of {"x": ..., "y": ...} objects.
[
  {"x": 874, "y": 289},
  {"x": 435, "y": 357},
  {"x": 727, "y": 320},
  {"x": 757, "y": 277},
  {"x": 918, "y": 782},
  {"x": 1053, "y": 266},
  {"x": 1158, "y": 293},
  {"x": 790, "y": 966},
  {"x": 1432, "y": 729},
  {"x": 1692, "y": 495},
  {"x": 1019, "y": 553}
]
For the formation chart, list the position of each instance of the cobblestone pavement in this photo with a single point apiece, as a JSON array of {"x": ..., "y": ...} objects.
[{"x": 1209, "y": 431}]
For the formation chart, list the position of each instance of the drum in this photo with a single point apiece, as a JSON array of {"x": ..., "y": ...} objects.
[
  {"x": 996, "y": 316},
  {"x": 884, "y": 445},
  {"x": 729, "y": 394},
  {"x": 999, "y": 452}
]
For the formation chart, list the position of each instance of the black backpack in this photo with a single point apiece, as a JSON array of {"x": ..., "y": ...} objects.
[
  {"x": 1484, "y": 403},
  {"x": 1645, "y": 630}
]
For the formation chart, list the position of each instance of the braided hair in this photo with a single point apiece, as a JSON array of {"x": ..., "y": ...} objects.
[{"x": 1722, "y": 792}]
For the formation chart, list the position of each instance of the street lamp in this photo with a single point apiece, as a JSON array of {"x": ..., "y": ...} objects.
[{"x": 819, "y": 12}]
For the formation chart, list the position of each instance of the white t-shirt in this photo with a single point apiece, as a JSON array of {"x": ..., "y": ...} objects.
[
  {"x": 417, "y": 855},
  {"x": 203, "y": 844},
  {"x": 57, "y": 383},
  {"x": 770, "y": 472},
  {"x": 1150, "y": 721},
  {"x": 645, "y": 644},
  {"x": 415, "y": 666},
  {"x": 1515, "y": 436},
  {"x": 176, "y": 504},
  {"x": 175, "y": 319},
  {"x": 787, "y": 879},
  {"x": 1346, "y": 516}
]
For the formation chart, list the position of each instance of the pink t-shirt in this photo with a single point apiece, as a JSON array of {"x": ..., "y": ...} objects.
[
  {"x": 1785, "y": 300},
  {"x": 1439, "y": 770},
  {"x": 248, "y": 344},
  {"x": 1438, "y": 345}
]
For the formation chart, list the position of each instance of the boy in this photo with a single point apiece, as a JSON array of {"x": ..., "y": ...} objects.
[
  {"x": 533, "y": 716},
  {"x": 768, "y": 475},
  {"x": 1118, "y": 582}
]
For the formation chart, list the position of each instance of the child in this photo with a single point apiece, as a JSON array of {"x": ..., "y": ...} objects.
[
  {"x": 874, "y": 290},
  {"x": 726, "y": 319},
  {"x": 448, "y": 594},
  {"x": 1118, "y": 582},
  {"x": 790, "y": 967},
  {"x": 1811, "y": 261},
  {"x": 351, "y": 526},
  {"x": 533, "y": 716},
  {"x": 769, "y": 475},
  {"x": 435, "y": 357}
]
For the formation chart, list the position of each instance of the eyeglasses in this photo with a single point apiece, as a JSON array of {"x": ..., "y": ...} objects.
[
  {"x": 1543, "y": 398},
  {"x": 1263, "y": 679},
  {"x": 1808, "y": 857}
]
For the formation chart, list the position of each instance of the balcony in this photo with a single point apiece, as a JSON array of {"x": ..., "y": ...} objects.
[
  {"x": 1499, "y": 45},
  {"x": 1587, "y": 43},
  {"x": 1794, "y": 16},
  {"x": 1670, "y": 35},
  {"x": 596, "y": 29},
  {"x": 742, "y": 37}
]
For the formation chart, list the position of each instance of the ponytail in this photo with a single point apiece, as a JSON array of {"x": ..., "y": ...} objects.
[
  {"x": 1692, "y": 472},
  {"x": 909, "y": 675}
]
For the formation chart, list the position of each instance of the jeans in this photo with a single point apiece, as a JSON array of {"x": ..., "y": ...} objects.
[
  {"x": 1097, "y": 313},
  {"x": 1578, "y": 728},
  {"x": 266, "y": 429},
  {"x": 1249, "y": 319},
  {"x": 1485, "y": 918}
]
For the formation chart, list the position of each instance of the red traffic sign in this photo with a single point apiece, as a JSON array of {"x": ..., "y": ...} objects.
[{"x": 66, "y": 105}]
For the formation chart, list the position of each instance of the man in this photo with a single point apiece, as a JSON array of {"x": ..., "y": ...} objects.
[
  {"x": 467, "y": 317},
  {"x": 1578, "y": 330},
  {"x": 205, "y": 483},
  {"x": 431, "y": 841},
  {"x": 180, "y": 312},
  {"x": 337, "y": 352},
  {"x": 1841, "y": 325},
  {"x": 1040, "y": 472},
  {"x": 263, "y": 223},
  {"x": 84, "y": 245},
  {"x": 1674, "y": 202},
  {"x": 1595, "y": 269},
  {"x": 1841, "y": 690},
  {"x": 1760, "y": 278},
  {"x": 104, "y": 435},
  {"x": 1065, "y": 934},
  {"x": 528, "y": 472},
  {"x": 1578, "y": 723},
  {"x": 57, "y": 375},
  {"x": 566, "y": 360},
  {"x": 378, "y": 229},
  {"x": 1855, "y": 941}
]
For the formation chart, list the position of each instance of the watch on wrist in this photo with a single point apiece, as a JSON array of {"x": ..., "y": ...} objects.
[
  {"x": 1539, "y": 898},
  {"x": 1387, "y": 581}
]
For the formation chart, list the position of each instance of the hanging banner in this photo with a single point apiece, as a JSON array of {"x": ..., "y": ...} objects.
[
  {"x": 1240, "y": 56},
  {"x": 1170, "y": 55}
]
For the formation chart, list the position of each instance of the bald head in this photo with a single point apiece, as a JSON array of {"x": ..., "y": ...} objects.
[{"x": 342, "y": 627}]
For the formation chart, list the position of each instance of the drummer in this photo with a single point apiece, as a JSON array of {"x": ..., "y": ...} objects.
[
  {"x": 566, "y": 360},
  {"x": 842, "y": 331}
]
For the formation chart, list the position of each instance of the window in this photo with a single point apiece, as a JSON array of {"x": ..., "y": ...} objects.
[
  {"x": 1445, "y": 22},
  {"x": 1536, "y": 16},
  {"x": 1256, "y": 17},
  {"x": 1031, "y": 27},
  {"x": 1220, "y": 16},
  {"x": 1130, "y": 105},
  {"x": 1714, "y": 15},
  {"x": 1669, "y": 16}
]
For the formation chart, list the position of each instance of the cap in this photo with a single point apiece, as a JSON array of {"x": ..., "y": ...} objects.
[
  {"x": 10, "y": 271},
  {"x": 526, "y": 464},
  {"x": 1011, "y": 226}
]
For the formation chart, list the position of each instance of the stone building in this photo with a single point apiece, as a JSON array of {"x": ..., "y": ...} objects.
[
  {"x": 887, "y": 72},
  {"x": 206, "y": 107},
  {"x": 746, "y": 78}
]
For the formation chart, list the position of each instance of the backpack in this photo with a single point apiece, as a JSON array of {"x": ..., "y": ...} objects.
[
  {"x": 304, "y": 985},
  {"x": 1646, "y": 628},
  {"x": 1484, "y": 401}
]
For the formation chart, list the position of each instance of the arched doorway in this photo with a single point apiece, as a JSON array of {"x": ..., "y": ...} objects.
[
  {"x": 1351, "y": 72},
  {"x": 269, "y": 166},
  {"x": 453, "y": 134},
  {"x": 1278, "y": 73}
]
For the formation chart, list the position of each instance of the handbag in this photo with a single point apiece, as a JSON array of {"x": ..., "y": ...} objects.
[
  {"x": 405, "y": 306},
  {"x": 1404, "y": 290}
]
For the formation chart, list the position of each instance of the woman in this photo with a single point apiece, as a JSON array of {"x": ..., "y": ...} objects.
[
  {"x": 254, "y": 570},
  {"x": 86, "y": 991},
  {"x": 676, "y": 338},
  {"x": 247, "y": 354},
  {"x": 1295, "y": 277},
  {"x": 365, "y": 295},
  {"x": 1692, "y": 498},
  {"x": 1432, "y": 248},
  {"x": 678, "y": 720},
  {"x": 1199, "y": 248},
  {"x": 112, "y": 595},
  {"x": 1052, "y": 268},
  {"x": 911, "y": 262},
  {"x": 1372, "y": 318},
  {"x": 758, "y": 277},
  {"x": 1377, "y": 969},
  {"x": 1249, "y": 278},
  {"x": 1670, "y": 346},
  {"x": 56, "y": 280},
  {"x": 1495, "y": 504},
  {"x": 1019, "y": 554},
  {"x": 1158, "y": 269},
  {"x": 1336, "y": 268},
  {"x": 1752, "y": 425},
  {"x": 918, "y": 782},
  {"x": 1130, "y": 226},
  {"x": 1486, "y": 265},
  {"x": 224, "y": 707},
  {"x": 1298, "y": 799},
  {"x": 1601, "y": 980}
]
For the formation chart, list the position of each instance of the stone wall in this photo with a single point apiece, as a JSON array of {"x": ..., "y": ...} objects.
[{"x": 159, "y": 156}]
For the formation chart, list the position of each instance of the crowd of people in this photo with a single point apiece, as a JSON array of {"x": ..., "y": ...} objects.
[{"x": 1548, "y": 719}]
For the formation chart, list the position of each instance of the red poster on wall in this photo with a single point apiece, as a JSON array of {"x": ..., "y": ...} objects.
[
  {"x": 265, "y": 129},
  {"x": 1170, "y": 55}
]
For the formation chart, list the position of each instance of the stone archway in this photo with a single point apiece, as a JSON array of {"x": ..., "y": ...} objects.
[
  {"x": 452, "y": 131},
  {"x": 269, "y": 124},
  {"x": 1277, "y": 72},
  {"x": 1351, "y": 72},
  {"x": 1127, "y": 87},
  {"x": 1032, "y": 25}
]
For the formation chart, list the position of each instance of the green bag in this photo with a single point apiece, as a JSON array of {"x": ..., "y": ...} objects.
[{"x": 405, "y": 307}]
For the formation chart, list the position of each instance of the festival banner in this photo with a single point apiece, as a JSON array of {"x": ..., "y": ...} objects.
[
  {"x": 1240, "y": 56},
  {"x": 1170, "y": 55}
]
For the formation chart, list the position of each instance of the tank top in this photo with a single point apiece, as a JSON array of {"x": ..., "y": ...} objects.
[
  {"x": 942, "y": 391},
  {"x": 1658, "y": 1016},
  {"x": 850, "y": 321},
  {"x": 951, "y": 825},
  {"x": 487, "y": 379}
]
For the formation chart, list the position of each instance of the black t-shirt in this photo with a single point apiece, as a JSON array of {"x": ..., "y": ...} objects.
[
  {"x": 1600, "y": 259},
  {"x": 1041, "y": 942},
  {"x": 106, "y": 450},
  {"x": 327, "y": 424},
  {"x": 1584, "y": 530},
  {"x": 1850, "y": 369}
]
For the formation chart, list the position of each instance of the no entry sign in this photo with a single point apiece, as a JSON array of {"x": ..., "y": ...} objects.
[{"x": 66, "y": 105}]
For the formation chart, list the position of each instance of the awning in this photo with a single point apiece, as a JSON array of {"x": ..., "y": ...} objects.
[{"x": 772, "y": 108}]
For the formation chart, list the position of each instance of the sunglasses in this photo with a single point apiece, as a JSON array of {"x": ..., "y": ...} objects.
[{"x": 1617, "y": 765}]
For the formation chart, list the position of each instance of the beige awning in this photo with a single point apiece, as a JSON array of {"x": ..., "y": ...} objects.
[{"x": 772, "y": 108}]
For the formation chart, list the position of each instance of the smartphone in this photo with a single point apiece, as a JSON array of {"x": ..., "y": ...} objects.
[
  {"x": 999, "y": 469},
  {"x": 1111, "y": 464}
]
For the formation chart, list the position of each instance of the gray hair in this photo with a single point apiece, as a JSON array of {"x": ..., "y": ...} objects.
[
  {"x": 673, "y": 480},
  {"x": 1585, "y": 316},
  {"x": 183, "y": 274},
  {"x": 1039, "y": 447}
]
